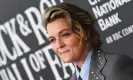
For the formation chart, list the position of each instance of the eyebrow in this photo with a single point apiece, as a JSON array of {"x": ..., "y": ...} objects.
[{"x": 60, "y": 32}]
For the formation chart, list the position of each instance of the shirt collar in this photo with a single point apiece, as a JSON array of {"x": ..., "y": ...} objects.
[{"x": 84, "y": 73}]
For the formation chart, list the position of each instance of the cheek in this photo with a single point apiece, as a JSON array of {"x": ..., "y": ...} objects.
[
  {"x": 75, "y": 41},
  {"x": 54, "y": 47},
  {"x": 74, "y": 44}
]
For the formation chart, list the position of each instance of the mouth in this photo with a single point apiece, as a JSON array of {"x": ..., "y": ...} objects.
[{"x": 64, "y": 51}]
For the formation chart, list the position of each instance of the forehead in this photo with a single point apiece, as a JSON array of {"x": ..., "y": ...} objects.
[{"x": 57, "y": 26}]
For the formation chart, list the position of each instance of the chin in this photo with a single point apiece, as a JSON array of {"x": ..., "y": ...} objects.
[{"x": 67, "y": 60}]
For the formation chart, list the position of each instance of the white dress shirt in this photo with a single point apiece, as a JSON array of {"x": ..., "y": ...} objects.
[{"x": 84, "y": 73}]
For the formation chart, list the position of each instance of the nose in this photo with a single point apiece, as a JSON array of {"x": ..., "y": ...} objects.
[{"x": 59, "y": 44}]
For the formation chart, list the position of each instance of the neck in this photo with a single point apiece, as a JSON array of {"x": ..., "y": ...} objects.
[{"x": 82, "y": 58}]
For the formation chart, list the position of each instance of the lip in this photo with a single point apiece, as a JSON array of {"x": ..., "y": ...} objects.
[{"x": 64, "y": 51}]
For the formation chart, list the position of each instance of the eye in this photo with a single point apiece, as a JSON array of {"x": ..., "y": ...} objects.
[
  {"x": 65, "y": 34},
  {"x": 51, "y": 40}
]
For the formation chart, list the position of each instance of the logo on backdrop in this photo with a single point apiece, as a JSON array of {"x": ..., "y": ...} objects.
[
  {"x": 20, "y": 60},
  {"x": 100, "y": 10}
]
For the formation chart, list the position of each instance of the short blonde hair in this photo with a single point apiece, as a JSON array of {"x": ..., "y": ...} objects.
[{"x": 81, "y": 21}]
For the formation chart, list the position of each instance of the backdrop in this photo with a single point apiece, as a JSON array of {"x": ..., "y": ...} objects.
[{"x": 25, "y": 53}]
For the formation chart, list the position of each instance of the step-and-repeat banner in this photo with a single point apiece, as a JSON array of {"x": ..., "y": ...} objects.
[{"x": 25, "y": 53}]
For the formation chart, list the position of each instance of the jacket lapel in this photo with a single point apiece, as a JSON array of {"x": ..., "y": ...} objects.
[{"x": 97, "y": 64}]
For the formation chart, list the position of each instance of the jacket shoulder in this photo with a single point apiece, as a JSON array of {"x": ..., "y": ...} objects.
[
  {"x": 118, "y": 66},
  {"x": 117, "y": 57}
]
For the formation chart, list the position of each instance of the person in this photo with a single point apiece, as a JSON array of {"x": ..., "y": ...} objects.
[{"x": 74, "y": 38}]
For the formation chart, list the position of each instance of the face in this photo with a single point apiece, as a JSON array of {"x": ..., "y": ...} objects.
[{"x": 64, "y": 42}]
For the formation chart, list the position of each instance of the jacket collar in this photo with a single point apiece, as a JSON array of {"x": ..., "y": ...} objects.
[{"x": 97, "y": 64}]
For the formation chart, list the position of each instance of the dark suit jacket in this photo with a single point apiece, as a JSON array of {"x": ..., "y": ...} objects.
[{"x": 109, "y": 66}]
